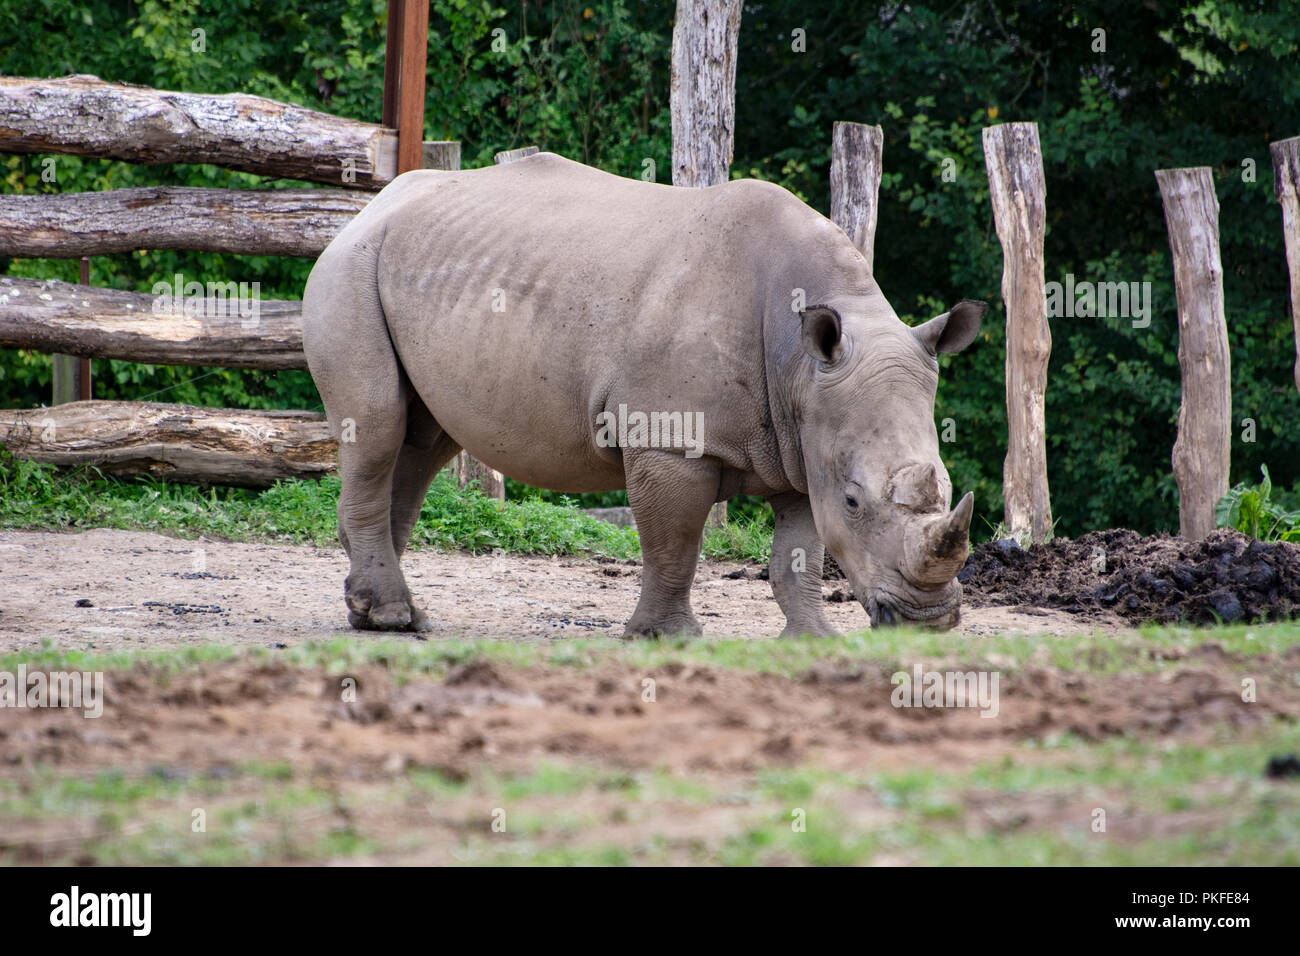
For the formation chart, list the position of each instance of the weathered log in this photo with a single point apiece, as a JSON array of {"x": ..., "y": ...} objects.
[
  {"x": 855, "y": 182},
  {"x": 51, "y": 316},
  {"x": 267, "y": 222},
  {"x": 85, "y": 116},
  {"x": 1202, "y": 451},
  {"x": 219, "y": 446},
  {"x": 1286, "y": 185},
  {"x": 703, "y": 90},
  {"x": 1019, "y": 197}
]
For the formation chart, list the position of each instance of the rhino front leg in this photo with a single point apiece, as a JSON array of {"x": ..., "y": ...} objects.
[
  {"x": 796, "y": 567},
  {"x": 670, "y": 498}
]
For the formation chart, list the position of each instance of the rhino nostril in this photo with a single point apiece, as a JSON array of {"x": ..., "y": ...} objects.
[{"x": 881, "y": 615}]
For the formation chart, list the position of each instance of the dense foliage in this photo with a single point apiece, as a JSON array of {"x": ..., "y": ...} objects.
[{"x": 1178, "y": 84}]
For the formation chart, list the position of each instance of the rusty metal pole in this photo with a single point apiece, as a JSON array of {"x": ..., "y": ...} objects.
[{"x": 406, "y": 51}]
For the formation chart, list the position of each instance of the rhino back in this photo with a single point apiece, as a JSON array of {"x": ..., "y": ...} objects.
[{"x": 524, "y": 299}]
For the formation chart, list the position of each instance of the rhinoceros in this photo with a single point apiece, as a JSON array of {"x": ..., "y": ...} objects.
[{"x": 583, "y": 332}]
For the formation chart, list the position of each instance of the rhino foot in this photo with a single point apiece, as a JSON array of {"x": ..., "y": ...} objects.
[
  {"x": 398, "y": 616},
  {"x": 815, "y": 629},
  {"x": 677, "y": 626}
]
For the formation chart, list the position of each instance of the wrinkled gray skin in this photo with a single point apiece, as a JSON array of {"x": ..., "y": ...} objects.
[{"x": 611, "y": 291}]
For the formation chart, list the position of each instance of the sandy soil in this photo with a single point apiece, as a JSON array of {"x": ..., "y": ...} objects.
[{"x": 108, "y": 589}]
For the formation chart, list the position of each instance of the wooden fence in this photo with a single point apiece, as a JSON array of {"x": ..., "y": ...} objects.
[{"x": 85, "y": 116}]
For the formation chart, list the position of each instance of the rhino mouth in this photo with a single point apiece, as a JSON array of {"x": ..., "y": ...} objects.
[{"x": 884, "y": 608}]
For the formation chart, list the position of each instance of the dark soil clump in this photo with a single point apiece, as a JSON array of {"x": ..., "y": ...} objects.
[{"x": 1224, "y": 577}]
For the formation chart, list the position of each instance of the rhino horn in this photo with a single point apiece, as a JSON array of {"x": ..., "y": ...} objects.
[{"x": 935, "y": 548}]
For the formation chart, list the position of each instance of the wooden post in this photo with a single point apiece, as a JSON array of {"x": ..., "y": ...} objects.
[
  {"x": 83, "y": 364},
  {"x": 406, "y": 51},
  {"x": 441, "y": 154},
  {"x": 1202, "y": 450},
  {"x": 703, "y": 90},
  {"x": 70, "y": 381},
  {"x": 855, "y": 182},
  {"x": 1019, "y": 196},
  {"x": 703, "y": 103},
  {"x": 1286, "y": 185}
]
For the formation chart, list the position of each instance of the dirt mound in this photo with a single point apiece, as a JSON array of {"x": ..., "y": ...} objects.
[{"x": 1225, "y": 577}]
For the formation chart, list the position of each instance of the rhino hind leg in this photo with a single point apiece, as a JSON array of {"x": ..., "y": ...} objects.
[
  {"x": 670, "y": 498},
  {"x": 424, "y": 452},
  {"x": 367, "y": 397},
  {"x": 796, "y": 567}
]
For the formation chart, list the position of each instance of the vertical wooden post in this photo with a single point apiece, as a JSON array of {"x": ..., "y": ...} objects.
[
  {"x": 702, "y": 100},
  {"x": 1286, "y": 185},
  {"x": 71, "y": 378},
  {"x": 83, "y": 368},
  {"x": 855, "y": 182},
  {"x": 703, "y": 90},
  {"x": 1019, "y": 197},
  {"x": 1202, "y": 450},
  {"x": 405, "y": 54}
]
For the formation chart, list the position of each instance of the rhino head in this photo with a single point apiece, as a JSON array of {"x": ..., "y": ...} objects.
[{"x": 879, "y": 492}]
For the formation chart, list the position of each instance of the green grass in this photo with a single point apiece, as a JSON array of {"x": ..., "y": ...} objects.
[
  {"x": 1168, "y": 802},
  {"x": 1152, "y": 649},
  {"x": 40, "y": 497}
]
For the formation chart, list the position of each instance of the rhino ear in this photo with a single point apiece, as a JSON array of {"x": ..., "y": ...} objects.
[
  {"x": 952, "y": 331},
  {"x": 821, "y": 332}
]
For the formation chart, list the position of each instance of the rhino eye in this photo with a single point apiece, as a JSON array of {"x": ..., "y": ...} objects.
[{"x": 851, "y": 502}]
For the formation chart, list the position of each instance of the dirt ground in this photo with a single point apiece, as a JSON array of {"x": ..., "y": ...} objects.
[
  {"x": 107, "y": 589},
  {"x": 347, "y": 769},
  {"x": 292, "y": 763}
]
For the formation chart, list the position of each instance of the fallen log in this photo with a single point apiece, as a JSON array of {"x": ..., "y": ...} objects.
[
  {"x": 85, "y": 116},
  {"x": 266, "y": 222},
  {"x": 221, "y": 328},
  {"x": 217, "y": 446}
]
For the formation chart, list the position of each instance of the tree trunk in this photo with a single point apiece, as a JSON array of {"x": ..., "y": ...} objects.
[
  {"x": 253, "y": 222},
  {"x": 84, "y": 116},
  {"x": 1019, "y": 197},
  {"x": 1286, "y": 184},
  {"x": 46, "y": 315},
  {"x": 703, "y": 90},
  {"x": 219, "y": 446},
  {"x": 1202, "y": 451},
  {"x": 855, "y": 183}
]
